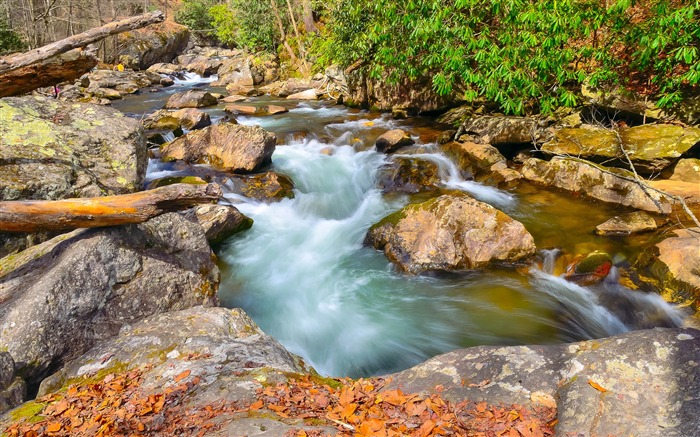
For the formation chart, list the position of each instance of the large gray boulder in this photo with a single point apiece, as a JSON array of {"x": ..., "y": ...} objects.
[
  {"x": 226, "y": 146},
  {"x": 482, "y": 161},
  {"x": 191, "y": 99},
  {"x": 59, "y": 298},
  {"x": 450, "y": 232},
  {"x": 607, "y": 184},
  {"x": 642, "y": 383},
  {"x": 223, "y": 347},
  {"x": 51, "y": 149},
  {"x": 501, "y": 130},
  {"x": 220, "y": 221},
  {"x": 409, "y": 175},
  {"x": 141, "y": 48}
]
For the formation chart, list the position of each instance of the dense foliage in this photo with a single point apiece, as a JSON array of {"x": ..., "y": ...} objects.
[
  {"x": 10, "y": 41},
  {"x": 524, "y": 55}
]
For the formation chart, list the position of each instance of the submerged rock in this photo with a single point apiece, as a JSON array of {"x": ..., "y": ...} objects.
[
  {"x": 642, "y": 383},
  {"x": 591, "y": 269},
  {"x": 408, "y": 175},
  {"x": 268, "y": 186},
  {"x": 626, "y": 224},
  {"x": 50, "y": 149},
  {"x": 450, "y": 232},
  {"x": 393, "y": 140},
  {"x": 612, "y": 185},
  {"x": 191, "y": 99},
  {"x": 226, "y": 146},
  {"x": 61, "y": 297}
]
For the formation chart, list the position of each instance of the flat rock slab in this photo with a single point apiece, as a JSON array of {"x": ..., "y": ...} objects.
[{"x": 642, "y": 383}]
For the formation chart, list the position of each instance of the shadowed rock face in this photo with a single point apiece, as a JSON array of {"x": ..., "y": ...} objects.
[
  {"x": 51, "y": 149},
  {"x": 58, "y": 298},
  {"x": 643, "y": 383},
  {"x": 450, "y": 232},
  {"x": 156, "y": 43}
]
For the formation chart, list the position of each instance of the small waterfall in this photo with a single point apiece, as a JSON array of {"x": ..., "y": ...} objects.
[{"x": 190, "y": 78}]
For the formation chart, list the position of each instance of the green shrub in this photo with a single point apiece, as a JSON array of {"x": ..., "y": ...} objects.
[{"x": 10, "y": 41}]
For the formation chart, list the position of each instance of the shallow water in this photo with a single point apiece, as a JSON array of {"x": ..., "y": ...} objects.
[{"x": 304, "y": 276}]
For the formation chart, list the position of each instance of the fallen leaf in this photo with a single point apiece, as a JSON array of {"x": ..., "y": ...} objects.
[
  {"x": 183, "y": 375},
  {"x": 53, "y": 427},
  {"x": 597, "y": 386}
]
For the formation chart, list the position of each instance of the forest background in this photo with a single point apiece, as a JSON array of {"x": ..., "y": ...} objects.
[{"x": 524, "y": 56}]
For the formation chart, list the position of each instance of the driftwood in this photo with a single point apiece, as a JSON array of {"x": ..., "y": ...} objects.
[
  {"x": 64, "y": 67},
  {"x": 80, "y": 40},
  {"x": 54, "y": 215}
]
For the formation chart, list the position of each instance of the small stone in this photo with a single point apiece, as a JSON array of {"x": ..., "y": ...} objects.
[
  {"x": 393, "y": 140},
  {"x": 632, "y": 223}
]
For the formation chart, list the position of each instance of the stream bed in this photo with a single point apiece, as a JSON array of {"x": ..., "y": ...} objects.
[{"x": 303, "y": 274}]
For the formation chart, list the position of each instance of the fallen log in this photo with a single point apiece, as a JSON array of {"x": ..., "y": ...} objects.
[
  {"x": 65, "y": 214},
  {"x": 64, "y": 67},
  {"x": 14, "y": 62}
]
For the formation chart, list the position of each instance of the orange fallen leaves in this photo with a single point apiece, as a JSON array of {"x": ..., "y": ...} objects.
[
  {"x": 597, "y": 386},
  {"x": 116, "y": 406}
]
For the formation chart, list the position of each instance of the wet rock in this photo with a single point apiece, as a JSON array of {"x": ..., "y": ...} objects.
[
  {"x": 393, "y": 140},
  {"x": 243, "y": 109},
  {"x": 238, "y": 89},
  {"x": 236, "y": 71},
  {"x": 170, "y": 180},
  {"x": 141, "y": 48},
  {"x": 482, "y": 161},
  {"x": 626, "y": 224},
  {"x": 13, "y": 389},
  {"x": 293, "y": 86},
  {"x": 51, "y": 149},
  {"x": 638, "y": 383},
  {"x": 220, "y": 221},
  {"x": 269, "y": 186},
  {"x": 612, "y": 185},
  {"x": 233, "y": 99},
  {"x": 408, "y": 175},
  {"x": 226, "y": 146},
  {"x": 188, "y": 118},
  {"x": 191, "y": 99},
  {"x": 202, "y": 65},
  {"x": 165, "y": 68},
  {"x": 651, "y": 147},
  {"x": 61, "y": 297},
  {"x": 125, "y": 82},
  {"x": 589, "y": 270},
  {"x": 234, "y": 357},
  {"x": 311, "y": 94},
  {"x": 276, "y": 109},
  {"x": 192, "y": 119},
  {"x": 450, "y": 233},
  {"x": 106, "y": 93},
  {"x": 675, "y": 263},
  {"x": 500, "y": 130}
]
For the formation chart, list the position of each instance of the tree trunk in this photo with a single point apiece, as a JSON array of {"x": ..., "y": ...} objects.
[
  {"x": 10, "y": 63},
  {"x": 55, "y": 215},
  {"x": 309, "y": 23},
  {"x": 283, "y": 34}
]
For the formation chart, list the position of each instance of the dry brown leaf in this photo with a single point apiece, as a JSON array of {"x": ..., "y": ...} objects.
[
  {"x": 597, "y": 386},
  {"x": 183, "y": 375}
]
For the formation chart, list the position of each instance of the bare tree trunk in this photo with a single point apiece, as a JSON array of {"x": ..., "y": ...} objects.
[
  {"x": 283, "y": 34},
  {"x": 309, "y": 23},
  {"x": 10, "y": 63},
  {"x": 56, "y": 215},
  {"x": 302, "y": 52}
]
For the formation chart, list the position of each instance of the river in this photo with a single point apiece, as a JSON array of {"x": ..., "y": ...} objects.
[{"x": 302, "y": 273}]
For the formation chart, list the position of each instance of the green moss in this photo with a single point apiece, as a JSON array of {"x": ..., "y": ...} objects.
[
  {"x": 116, "y": 367},
  {"x": 28, "y": 412}
]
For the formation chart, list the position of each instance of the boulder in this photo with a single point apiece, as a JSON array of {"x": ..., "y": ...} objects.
[
  {"x": 141, "y": 48},
  {"x": 642, "y": 383},
  {"x": 450, "y": 232},
  {"x": 51, "y": 149},
  {"x": 243, "y": 109},
  {"x": 500, "y": 130},
  {"x": 626, "y": 224},
  {"x": 191, "y": 118},
  {"x": 224, "y": 348},
  {"x": 220, "y": 221},
  {"x": 276, "y": 109},
  {"x": 675, "y": 264},
  {"x": 126, "y": 82},
  {"x": 686, "y": 170},
  {"x": 612, "y": 185},
  {"x": 293, "y": 86},
  {"x": 482, "y": 161},
  {"x": 105, "y": 93},
  {"x": 202, "y": 65},
  {"x": 268, "y": 186},
  {"x": 191, "y": 99},
  {"x": 13, "y": 389},
  {"x": 393, "y": 140},
  {"x": 170, "y": 180},
  {"x": 235, "y": 71},
  {"x": 589, "y": 269},
  {"x": 311, "y": 94},
  {"x": 165, "y": 68},
  {"x": 651, "y": 147},
  {"x": 226, "y": 146},
  {"x": 161, "y": 120},
  {"x": 59, "y": 298},
  {"x": 408, "y": 175},
  {"x": 233, "y": 99},
  {"x": 238, "y": 89}
]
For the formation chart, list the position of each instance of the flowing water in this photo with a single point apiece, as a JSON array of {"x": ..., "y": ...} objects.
[{"x": 304, "y": 276}]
